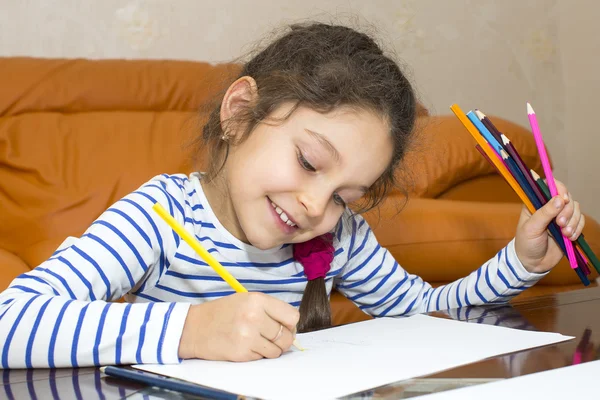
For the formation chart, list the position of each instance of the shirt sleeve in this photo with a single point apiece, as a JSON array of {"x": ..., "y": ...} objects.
[
  {"x": 374, "y": 281},
  {"x": 62, "y": 314}
]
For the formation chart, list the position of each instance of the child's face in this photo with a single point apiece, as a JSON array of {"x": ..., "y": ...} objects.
[{"x": 293, "y": 166}]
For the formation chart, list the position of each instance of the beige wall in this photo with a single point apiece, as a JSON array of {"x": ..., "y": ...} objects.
[
  {"x": 579, "y": 39},
  {"x": 487, "y": 54}
]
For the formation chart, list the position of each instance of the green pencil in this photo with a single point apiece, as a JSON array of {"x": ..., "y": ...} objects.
[{"x": 580, "y": 240}]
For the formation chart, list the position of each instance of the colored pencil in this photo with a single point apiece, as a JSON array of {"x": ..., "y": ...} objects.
[
  {"x": 487, "y": 129},
  {"x": 492, "y": 155},
  {"x": 581, "y": 347},
  {"x": 521, "y": 175},
  {"x": 502, "y": 170},
  {"x": 512, "y": 167},
  {"x": 488, "y": 124},
  {"x": 168, "y": 383},
  {"x": 522, "y": 167},
  {"x": 484, "y": 132},
  {"x": 206, "y": 256},
  {"x": 195, "y": 244},
  {"x": 553, "y": 227},
  {"x": 584, "y": 246},
  {"x": 537, "y": 134},
  {"x": 582, "y": 261},
  {"x": 554, "y": 231},
  {"x": 483, "y": 153}
]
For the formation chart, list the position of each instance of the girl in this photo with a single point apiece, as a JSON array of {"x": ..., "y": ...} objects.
[{"x": 318, "y": 120}]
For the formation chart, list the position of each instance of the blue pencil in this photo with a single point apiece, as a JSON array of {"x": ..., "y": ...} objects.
[
  {"x": 510, "y": 163},
  {"x": 484, "y": 132},
  {"x": 514, "y": 169},
  {"x": 165, "y": 382}
]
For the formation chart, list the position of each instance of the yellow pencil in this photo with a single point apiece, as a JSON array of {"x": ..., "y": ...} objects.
[{"x": 206, "y": 256}]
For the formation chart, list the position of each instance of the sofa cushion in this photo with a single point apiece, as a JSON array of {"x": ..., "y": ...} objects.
[
  {"x": 59, "y": 171},
  {"x": 11, "y": 266},
  {"x": 79, "y": 85}
]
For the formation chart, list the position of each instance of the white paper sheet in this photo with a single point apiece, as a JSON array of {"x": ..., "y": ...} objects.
[
  {"x": 356, "y": 357},
  {"x": 573, "y": 382}
]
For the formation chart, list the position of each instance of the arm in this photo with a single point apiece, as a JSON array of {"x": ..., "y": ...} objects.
[
  {"x": 381, "y": 287},
  {"x": 60, "y": 313}
]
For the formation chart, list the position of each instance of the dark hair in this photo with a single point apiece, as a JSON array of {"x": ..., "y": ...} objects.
[
  {"x": 315, "y": 310},
  {"x": 322, "y": 67}
]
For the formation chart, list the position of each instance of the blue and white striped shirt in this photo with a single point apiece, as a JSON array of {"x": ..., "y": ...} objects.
[{"x": 62, "y": 312}]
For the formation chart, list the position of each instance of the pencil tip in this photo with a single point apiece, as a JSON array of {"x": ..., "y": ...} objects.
[
  {"x": 295, "y": 343},
  {"x": 530, "y": 109},
  {"x": 534, "y": 174},
  {"x": 505, "y": 140},
  {"x": 479, "y": 114},
  {"x": 504, "y": 154}
]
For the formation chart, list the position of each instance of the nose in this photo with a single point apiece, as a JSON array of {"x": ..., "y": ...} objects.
[{"x": 314, "y": 204}]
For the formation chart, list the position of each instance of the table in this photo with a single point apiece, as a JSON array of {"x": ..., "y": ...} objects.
[{"x": 570, "y": 313}]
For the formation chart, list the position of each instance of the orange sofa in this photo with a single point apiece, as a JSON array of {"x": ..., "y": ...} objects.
[{"x": 76, "y": 135}]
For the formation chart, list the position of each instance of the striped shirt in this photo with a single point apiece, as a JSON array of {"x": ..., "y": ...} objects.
[{"x": 63, "y": 313}]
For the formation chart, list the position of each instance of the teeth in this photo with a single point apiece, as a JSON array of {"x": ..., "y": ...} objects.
[{"x": 282, "y": 215}]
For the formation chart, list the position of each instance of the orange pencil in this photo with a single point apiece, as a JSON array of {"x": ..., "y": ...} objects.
[{"x": 492, "y": 157}]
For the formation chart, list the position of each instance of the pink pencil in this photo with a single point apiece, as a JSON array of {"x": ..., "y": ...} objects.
[{"x": 539, "y": 142}]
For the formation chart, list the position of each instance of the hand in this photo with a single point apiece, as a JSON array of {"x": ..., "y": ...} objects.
[
  {"x": 534, "y": 246},
  {"x": 240, "y": 327}
]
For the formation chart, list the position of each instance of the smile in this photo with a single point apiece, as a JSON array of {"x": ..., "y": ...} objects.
[{"x": 282, "y": 215}]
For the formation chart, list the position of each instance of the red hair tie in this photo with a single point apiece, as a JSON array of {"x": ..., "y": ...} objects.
[{"x": 315, "y": 255}]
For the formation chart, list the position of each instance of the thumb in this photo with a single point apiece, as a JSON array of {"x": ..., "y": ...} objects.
[{"x": 539, "y": 221}]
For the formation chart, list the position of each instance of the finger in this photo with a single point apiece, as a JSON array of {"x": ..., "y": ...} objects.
[
  {"x": 562, "y": 190},
  {"x": 566, "y": 215},
  {"x": 276, "y": 333},
  {"x": 285, "y": 340},
  {"x": 246, "y": 356},
  {"x": 525, "y": 211},
  {"x": 266, "y": 348},
  {"x": 281, "y": 312},
  {"x": 571, "y": 226},
  {"x": 539, "y": 221},
  {"x": 579, "y": 228},
  {"x": 254, "y": 356}
]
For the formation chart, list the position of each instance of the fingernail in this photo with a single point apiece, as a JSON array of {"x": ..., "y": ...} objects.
[
  {"x": 569, "y": 230},
  {"x": 562, "y": 220},
  {"x": 557, "y": 203},
  {"x": 566, "y": 196}
]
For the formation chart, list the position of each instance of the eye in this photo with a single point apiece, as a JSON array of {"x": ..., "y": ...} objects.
[
  {"x": 337, "y": 199},
  {"x": 304, "y": 163}
]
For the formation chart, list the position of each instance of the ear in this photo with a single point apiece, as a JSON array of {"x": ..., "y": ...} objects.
[{"x": 240, "y": 95}]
